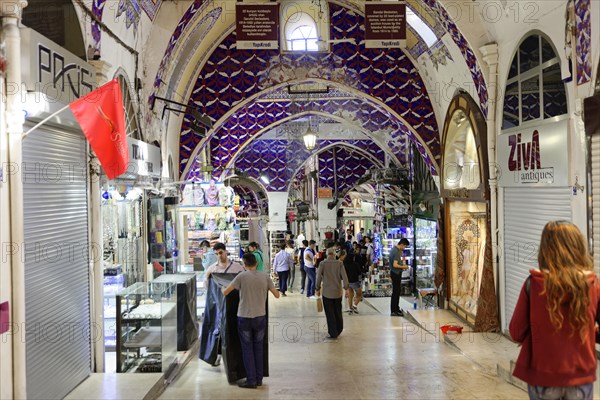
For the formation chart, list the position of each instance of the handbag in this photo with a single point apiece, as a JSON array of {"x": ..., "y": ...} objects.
[{"x": 319, "y": 304}]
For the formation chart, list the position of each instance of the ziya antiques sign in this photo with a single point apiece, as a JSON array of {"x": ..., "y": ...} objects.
[
  {"x": 534, "y": 156},
  {"x": 257, "y": 26},
  {"x": 385, "y": 25}
]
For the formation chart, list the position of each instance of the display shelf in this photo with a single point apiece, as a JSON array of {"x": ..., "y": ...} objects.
[
  {"x": 162, "y": 243},
  {"x": 112, "y": 285},
  {"x": 146, "y": 330}
]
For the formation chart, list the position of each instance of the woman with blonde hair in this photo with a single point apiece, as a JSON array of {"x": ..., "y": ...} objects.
[{"x": 555, "y": 316}]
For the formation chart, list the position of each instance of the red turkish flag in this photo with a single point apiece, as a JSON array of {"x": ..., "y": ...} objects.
[{"x": 101, "y": 116}]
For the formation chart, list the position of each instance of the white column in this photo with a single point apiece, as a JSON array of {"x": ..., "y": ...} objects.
[
  {"x": 327, "y": 218},
  {"x": 14, "y": 117},
  {"x": 490, "y": 56},
  {"x": 95, "y": 221}
]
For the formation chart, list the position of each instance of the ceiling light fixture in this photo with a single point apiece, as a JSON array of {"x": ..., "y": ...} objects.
[
  {"x": 310, "y": 137},
  {"x": 265, "y": 179}
]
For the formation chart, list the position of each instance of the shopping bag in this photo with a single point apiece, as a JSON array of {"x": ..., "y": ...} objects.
[{"x": 319, "y": 304}]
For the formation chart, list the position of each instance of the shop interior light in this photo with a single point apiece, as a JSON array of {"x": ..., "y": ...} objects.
[
  {"x": 133, "y": 194},
  {"x": 143, "y": 182},
  {"x": 265, "y": 179}
]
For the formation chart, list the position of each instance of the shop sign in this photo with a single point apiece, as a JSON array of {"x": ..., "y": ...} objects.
[
  {"x": 257, "y": 26},
  {"x": 534, "y": 156},
  {"x": 144, "y": 158},
  {"x": 325, "y": 192},
  {"x": 57, "y": 74},
  {"x": 385, "y": 25}
]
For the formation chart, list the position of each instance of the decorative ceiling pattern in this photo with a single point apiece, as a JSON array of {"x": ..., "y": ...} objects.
[
  {"x": 238, "y": 128},
  {"x": 444, "y": 18},
  {"x": 97, "y": 11},
  {"x": 151, "y": 7},
  {"x": 584, "y": 41},
  {"x": 230, "y": 76},
  {"x": 350, "y": 167}
]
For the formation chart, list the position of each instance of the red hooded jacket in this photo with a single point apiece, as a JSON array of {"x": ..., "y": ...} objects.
[{"x": 551, "y": 357}]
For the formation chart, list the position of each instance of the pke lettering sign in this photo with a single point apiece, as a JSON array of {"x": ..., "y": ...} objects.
[
  {"x": 257, "y": 26},
  {"x": 52, "y": 71},
  {"x": 535, "y": 156},
  {"x": 385, "y": 25}
]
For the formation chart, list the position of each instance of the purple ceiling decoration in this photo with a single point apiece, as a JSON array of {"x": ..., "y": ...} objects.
[
  {"x": 350, "y": 167},
  {"x": 151, "y": 7},
  {"x": 189, "y": 15},
  {"x": 97, "y": 11},
  {"x": 583, "y": 38},
  {"x": 231, "y": 76},
  {"x": 441, "y": 15}
]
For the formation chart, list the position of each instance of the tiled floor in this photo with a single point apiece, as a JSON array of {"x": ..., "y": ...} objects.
[{"x": 376, "y": 357}]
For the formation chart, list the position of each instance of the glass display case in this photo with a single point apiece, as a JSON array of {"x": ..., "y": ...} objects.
[
  {"x": 113, "y": 284},
  {"x": 425, "y": 251},
  {"x": 162, "y": 245},
  {"x": 146, "y": 334}
]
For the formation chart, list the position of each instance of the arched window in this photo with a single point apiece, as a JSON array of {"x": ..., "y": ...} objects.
[
  {"x": 301, "y": 33},
  {"x": 534, "y": 89},
  {"x": 131, "y": 122}
]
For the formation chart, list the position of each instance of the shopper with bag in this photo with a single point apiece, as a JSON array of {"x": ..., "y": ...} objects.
[
  {"x": 557, "y": 309},
  {"x": 331, "y": 273}
]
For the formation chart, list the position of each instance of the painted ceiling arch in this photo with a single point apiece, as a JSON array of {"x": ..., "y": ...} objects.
[
  {"x": 232, "y": 137},
  {"x": 387, "y": 76}
]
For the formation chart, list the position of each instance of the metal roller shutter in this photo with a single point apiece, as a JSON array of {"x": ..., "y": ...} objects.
[
  {"x": 595, "y": 161},
  {"x": 57, "y": 292},
  {"x": 526, "y": 211}
]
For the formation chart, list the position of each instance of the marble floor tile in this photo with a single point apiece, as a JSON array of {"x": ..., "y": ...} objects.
[{"x": 376, "y": 357}]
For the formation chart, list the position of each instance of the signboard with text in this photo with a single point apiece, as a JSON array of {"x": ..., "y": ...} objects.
[
  {"x": 144, "y": 158},
  {"x": 257, "y": 26},
  {"x": 534, "y": 156},
  {"x": 325, "y": 192},
  {"x": 385, "y": 25}
]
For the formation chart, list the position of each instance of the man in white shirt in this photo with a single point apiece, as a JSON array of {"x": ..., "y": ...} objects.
[
  {"x": 223, "y": 263},
  {"x": 309, "y": 266},
  {"x": 282, "y": 264}
]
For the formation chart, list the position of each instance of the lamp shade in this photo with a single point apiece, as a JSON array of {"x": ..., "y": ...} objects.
[{"x": 310, "y": 138}]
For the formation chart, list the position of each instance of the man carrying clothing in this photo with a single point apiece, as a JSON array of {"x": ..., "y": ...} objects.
[
  {"x": 309, "y": 266},
  {"x": 252, "y": 317},
  {"x": 223, "y": 263},
  {"x": 397, "y": 265},
  {"x": 281, "y": 265},
  {"x": 331, "y": 273}
]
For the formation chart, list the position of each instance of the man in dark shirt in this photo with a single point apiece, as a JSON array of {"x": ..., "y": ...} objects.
[
  {"x": 397, "y": 265},
  {"x": 353, "y": 270},
  {"x": 301, "y": 262}
]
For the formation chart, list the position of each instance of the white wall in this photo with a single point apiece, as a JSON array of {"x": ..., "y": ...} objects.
[
  {"x": 327, "y": 219},
  {"x": 277, "y": 211}
]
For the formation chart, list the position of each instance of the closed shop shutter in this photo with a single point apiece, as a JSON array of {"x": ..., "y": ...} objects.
[
  {"x": 526, "y": 211},
  {"x": 57, "y": 290},
  {"x": 595, "y": 161}
]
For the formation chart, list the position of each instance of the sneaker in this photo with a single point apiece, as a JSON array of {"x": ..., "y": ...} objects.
[
  {"x": 355, "y": 310},
  {"x": 349, "y": 311},
  {"x": 284, "y": 295},
  {"x": 313, "y": 297},
  {"x": 301, "y": 291},
  {"x": 329, "y": 339}
]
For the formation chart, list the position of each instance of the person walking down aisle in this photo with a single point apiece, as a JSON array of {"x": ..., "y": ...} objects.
[
  {"x": 396, "y": 266},
  {"x": 352, "y": 265},
  {"x": 291, "y": 250},
  {"x": 331, "y": 273},
  {"x": 557, "y": 309},
  {"x": 309, "y": 266},
  {"x": 282, "y": 265},
  {"x": 252, "y": 317},
  {"x": 260, "y": 260},
  {"x": 301, "y": 262}
]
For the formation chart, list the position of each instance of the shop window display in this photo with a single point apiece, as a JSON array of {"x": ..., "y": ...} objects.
[{"x": 467, "y": 248}]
